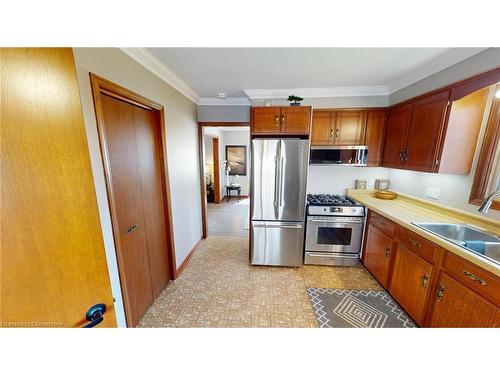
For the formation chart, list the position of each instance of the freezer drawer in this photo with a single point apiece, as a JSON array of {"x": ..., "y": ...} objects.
[{"x": 277, "y": 243}]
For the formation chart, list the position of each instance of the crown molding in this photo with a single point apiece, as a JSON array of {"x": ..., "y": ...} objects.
[
  {"x": 451, "y": 58},
  {"x": 325, "y": 92},
  {"x": 155, "y": 66},
  {"x": 209, "y": 100}
]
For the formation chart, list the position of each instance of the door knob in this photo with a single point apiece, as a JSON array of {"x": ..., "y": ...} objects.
[{"x": 95, "y": 315}]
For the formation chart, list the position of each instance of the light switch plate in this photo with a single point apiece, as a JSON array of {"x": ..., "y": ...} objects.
[{"x": 432, "y": 192}]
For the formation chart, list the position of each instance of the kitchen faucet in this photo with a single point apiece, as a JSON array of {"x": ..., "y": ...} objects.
[{"x": 487, "y": 203}]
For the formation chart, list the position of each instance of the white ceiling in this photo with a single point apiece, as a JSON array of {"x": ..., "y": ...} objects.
[{"x": 272, "y": 72}]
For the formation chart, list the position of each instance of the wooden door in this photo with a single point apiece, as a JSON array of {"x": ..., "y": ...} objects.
[
  {"x": 322, "y": 128},
  {"x": 374, "y": 138},
  {"x": 127, "y": 206},
  {"x": 349, "y": 128},
  {"x": 53, "y": 264},
  {"x": 377, "y": 256},
  {"x": 410, "y": 282},
  {"x": 456, "y": 306},
  {"x": 150, "y": 165},
  {"x": 395, "y": 136},
  {"x": 425, "y": 128},
  {"x": 215, "y": 150},
  {"x": 265, "y": 120},
  {"x": 295, "y": 120}
]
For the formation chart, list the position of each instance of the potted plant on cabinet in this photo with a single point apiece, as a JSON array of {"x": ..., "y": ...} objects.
[{"x": 295, "y": 100}]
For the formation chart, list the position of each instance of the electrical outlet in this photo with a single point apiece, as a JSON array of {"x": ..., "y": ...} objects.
[{"x": 432, "y": 192}]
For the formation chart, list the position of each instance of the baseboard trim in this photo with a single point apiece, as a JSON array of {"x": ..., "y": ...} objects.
[{"x": 187, "y": 259}]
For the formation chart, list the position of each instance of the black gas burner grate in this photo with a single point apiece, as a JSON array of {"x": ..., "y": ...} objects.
[{"x": 328, "y": 199}]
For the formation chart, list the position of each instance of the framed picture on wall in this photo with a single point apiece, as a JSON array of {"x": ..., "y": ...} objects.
[{"x": 236, "y": 157}]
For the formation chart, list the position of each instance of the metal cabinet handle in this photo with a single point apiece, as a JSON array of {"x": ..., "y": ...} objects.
[
  {"x": 132, "y": 228},
  {"x": 331, "y": 133},
  {"x": 95, "y": 315},
  {"x": 440, "y": 293},
  {"x": 387, "y": 252},
  {"x": 283, "y": 120},
  {"x": 474, "y": 277},
  {"x": 425, "y": 280},
  {"x": 405, "y": 154},
  {"x": 414, "y": 243},
  {"x": 401, "y": 155},
  {"x": 277, "y": 120},
  {"x": 337, "y": 133}
]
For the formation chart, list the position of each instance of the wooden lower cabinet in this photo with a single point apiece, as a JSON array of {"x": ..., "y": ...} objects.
[
  {"x": 458, "y": 306},
  {"x": 377, "y": 256},
  {"x": 410, "y": 282}
]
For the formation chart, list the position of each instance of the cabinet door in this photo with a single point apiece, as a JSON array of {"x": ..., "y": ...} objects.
[
  {"x": 458, "y": 306},
  {"x": 375, "y": 125},
  {"x": 410, "y": 282},
  {"x": 377, "y": 257},
  {"x": 295, "y": 120},
  {"x": 395, "y": 136},
  {"x": 266, "y": 120},
  {"x": 322, "y": 129},
  {"x": 427, "y": 119},
  {"x": 350, "y": 128}
]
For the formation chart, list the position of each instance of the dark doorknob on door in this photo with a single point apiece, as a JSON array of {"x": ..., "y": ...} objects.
[
  {"x": 132, "y": 228},
  {"x": 95, "y": 315}
]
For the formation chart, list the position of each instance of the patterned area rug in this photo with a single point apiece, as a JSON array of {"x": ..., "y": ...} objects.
[{"x": 341, "y": 308}]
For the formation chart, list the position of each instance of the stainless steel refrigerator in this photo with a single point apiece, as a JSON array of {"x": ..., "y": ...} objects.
[{"x": 278, "y": 200}]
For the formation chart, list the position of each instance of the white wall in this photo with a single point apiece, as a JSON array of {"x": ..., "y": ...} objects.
[
  {"x": 182, "y": 150},
  {"x": 336, "y": 179},
  {"x": 238, "y": 138}
]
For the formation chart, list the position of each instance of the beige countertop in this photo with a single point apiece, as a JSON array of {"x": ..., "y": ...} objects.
[{"x": 405, "y": 209}]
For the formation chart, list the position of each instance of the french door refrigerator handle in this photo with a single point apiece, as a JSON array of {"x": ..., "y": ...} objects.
[{"x": 276, "y": 180}]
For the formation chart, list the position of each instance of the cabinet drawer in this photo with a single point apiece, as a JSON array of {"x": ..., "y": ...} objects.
[
  {"x": 385, "y": 225},
  {"x": 483, "y": 282},
  {"x": 417, "y": 244}
]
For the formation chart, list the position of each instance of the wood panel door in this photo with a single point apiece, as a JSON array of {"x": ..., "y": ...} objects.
[
  {"x": 265, "y": 120},
  {"x": 131, "y": 138},
  {"x": 426, "y": 124},
  {"x": 456, "y": 306},
  {"x": 53, "y": 264},
  {"x": 295, "y": 120},
  {"x": 322, "y": 128},
  {"x": 377, "y": 255},
  {"x": 349, "y": 128},
  {"x": 374, "y": 137},
  {"x": 410, "y": 282},
  {"x": 395, "y": 136}
]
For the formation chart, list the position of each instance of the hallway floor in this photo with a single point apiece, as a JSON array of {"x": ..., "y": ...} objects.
[
  {"x": 228, "y": 218},
  {"x": 220, "y": 289}
]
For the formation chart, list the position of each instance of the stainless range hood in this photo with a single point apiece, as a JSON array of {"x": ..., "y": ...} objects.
[{"x": 339, "y": 155}]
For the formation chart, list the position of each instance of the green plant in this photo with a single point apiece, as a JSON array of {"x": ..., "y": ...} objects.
[{"x": 294, "y": 98}]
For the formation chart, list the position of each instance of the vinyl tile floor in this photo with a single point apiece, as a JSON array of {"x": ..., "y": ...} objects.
[{"x": 219, "y": 288}]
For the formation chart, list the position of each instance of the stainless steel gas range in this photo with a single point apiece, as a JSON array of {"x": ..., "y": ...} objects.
[{"x": 334, "y": 230}]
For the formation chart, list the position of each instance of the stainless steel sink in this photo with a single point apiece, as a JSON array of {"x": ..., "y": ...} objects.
[{"x": 461, "y": 234}]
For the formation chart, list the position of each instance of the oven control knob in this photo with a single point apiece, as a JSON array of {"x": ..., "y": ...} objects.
[{"x": 335, "y": 209}]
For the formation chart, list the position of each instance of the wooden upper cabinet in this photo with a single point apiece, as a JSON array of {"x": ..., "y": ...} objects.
[
  {"x": 265, "y": 120},
  {"x": 377, "y": 254},
  {"x": 456, "y": 306},
  {"x": 410, "y": 282},
  {"x": 426, "y": 124},
  {"x": 462, "y": 132},
  {"x": 349, "y": 128},
  {"x": 374, "y": 138},
  {"x": 322, "y": 128},
  {"x": 280, "y": 120},
  {"x": 295, "y": 120},
  {"x": 398, "y": 119}
]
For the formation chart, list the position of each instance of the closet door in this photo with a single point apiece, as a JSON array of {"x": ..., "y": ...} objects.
[
  {"x": 149, "y": 159},
  {"x": 127, "y": 206}
]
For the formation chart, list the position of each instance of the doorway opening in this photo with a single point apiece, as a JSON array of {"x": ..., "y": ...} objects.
[{"x": 225, "y": 171}]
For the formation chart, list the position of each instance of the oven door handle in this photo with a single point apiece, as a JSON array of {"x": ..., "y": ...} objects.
[{"x": 335, "y": 222}]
